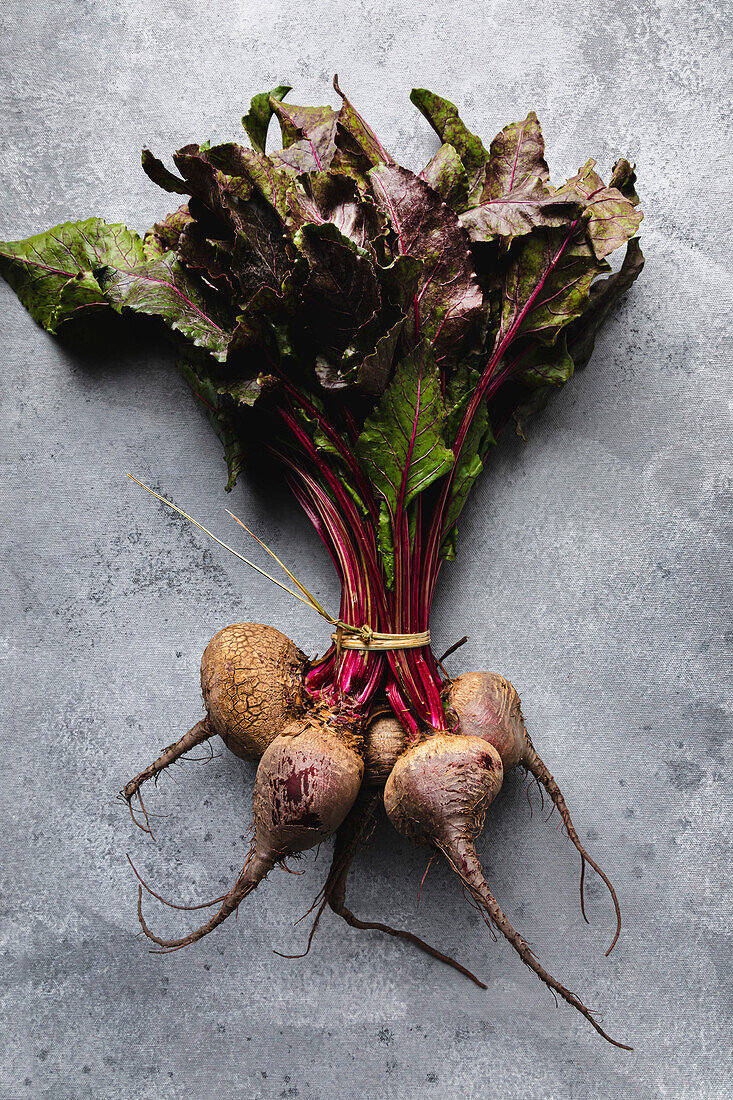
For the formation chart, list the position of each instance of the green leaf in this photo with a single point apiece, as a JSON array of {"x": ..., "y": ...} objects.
[
  {"x": 53, "y": 272},
  {"x": 385, "y": 542},
  {"x": 164, "y": 288},
  {"x": 469, "y": 463},
  {"x": 164, "y": 236},
  {"x": 528, "y": 206},
  {"x": 603, "y": 294},
  {"x": 547, "y": 283},
  {"x": 273, "y": 183},
  {"x": 529, "y": 407},
  {"x": 612, "y": 219},
  {"x": 516, "y": 157},
  {"x": 401, "y": 448},
  {"x": 448, "y": 300},
  {"x": 447, "y": 177},
  {"x": 257, "y": 120},
  {"x": 546, "y": 366},
  {"x": 342, "y": 292},
  {"x": 444, "y": 118},
  {"x": 541, "y": 371},
  {"x": 159, "y": 174}
]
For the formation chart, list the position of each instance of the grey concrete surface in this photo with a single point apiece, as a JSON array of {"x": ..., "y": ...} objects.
[{"x": 594, "y": 570}]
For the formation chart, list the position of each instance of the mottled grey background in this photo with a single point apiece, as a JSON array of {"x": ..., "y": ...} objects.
[{"x": 594, "y": 571}]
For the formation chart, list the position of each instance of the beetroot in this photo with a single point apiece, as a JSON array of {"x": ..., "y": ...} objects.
[
  {"x": 488, "y": 706},
  {"x": 307, "y": 781},
  {"x": 371, "y": 331},
  {"x": 438, "y": 794}
]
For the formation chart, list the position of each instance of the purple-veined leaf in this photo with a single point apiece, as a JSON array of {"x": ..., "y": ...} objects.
[
  {"x": 448, "y": 299},
  {"x": 260, "y": 256},
  {"x": 326, "y": 197},
  {"x": 401, "y": 448},
  {"x": 529, "y": 205},
  {"x": 546, "y": 285},
  {"x": 53, "y": 273},
  {"x": 366, "y": 364},
  {"x": 308, "y": 136},
  {"x": 210, "y": 259},
  {"x": 612, "y": 219},
  {"x": 164, "y": 288},
  {"x": 516, "y": 156}
]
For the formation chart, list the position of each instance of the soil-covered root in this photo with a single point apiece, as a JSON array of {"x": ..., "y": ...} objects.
[
  {"x": 438, "y": 794},
  {"x": 487, "y": 705},
  {"x": 252, "y": 683},
  {"x": 307, "y": 781},
  {"x": 348, "y": 839},
  {"x": 384, "y": 742},
  {"x": 199, "y": 733}
]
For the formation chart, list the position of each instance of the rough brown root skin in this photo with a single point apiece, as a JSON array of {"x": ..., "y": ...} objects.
[
  {"x": 384, "y": 742},
  {"x": 461, "y": 854},
  {"x": 252, "y": 682},
  {"x": 202, "y": 731},
  {"x": 534, "y": 764},
  {"x": 488, "y": 706},
  {"x": 307, "y": 781}
]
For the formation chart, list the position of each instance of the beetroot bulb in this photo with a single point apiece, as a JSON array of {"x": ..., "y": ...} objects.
[
  {"x": 368, "y": 332},
  {"x": 307, "y": 781},
  {"x": 437, "y": 795},
  {"x": 488, "y": 706}
]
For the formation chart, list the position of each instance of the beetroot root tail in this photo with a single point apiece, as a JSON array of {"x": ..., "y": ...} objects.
[
  {"x": 534, "y": 764},
  {"x": 252, "y": 874},
  {"x": 348, "y": 838},
  {"x": 196, "y": 735},
  {"x": 462, "y": 856}
]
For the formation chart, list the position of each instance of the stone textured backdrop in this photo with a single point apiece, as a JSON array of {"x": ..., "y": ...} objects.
[{"x": 593, "y": 570}]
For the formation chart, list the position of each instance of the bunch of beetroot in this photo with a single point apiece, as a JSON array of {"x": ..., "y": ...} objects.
[{"x": 373, "y": 330}]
